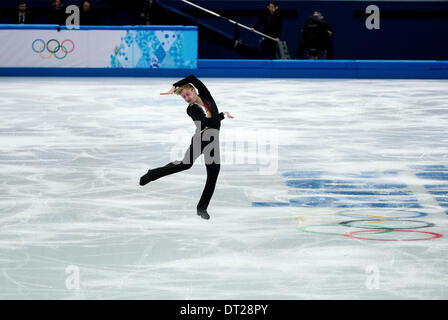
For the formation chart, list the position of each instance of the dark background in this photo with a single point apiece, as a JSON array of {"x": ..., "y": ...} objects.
[{"x": 416, "y": 30}]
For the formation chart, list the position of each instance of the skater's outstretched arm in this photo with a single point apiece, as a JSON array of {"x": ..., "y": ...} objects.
[{"x": 171, "y": 91}]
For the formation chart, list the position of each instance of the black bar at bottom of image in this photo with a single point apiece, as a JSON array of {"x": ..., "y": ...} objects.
[{"x": 217, "y": 309}]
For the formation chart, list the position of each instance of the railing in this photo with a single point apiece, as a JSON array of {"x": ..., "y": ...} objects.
[{"x": 227, "y": 19}]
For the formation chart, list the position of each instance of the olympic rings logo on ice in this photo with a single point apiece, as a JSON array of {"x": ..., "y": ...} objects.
[
  {"x": 370, "y": 225},
  {"x": 53, "y": 47}
]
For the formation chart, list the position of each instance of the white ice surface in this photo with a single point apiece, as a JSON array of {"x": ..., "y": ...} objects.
[{"x": 72, "y": 152}]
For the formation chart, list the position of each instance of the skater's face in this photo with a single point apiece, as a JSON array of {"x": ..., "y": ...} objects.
[{"x": 189, "y": 95}]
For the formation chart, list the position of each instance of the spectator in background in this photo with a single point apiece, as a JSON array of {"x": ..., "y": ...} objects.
[
  {"x": 316, "y": 34},
  {"x": 87, "y": 15},
  {"x": 328, "y": 43},
  {"x": 148, "y": 11},
  {"x": 22, "y": 15},
  {"x": 272, "y": 22},
  {"x": 57, "y": 14}
]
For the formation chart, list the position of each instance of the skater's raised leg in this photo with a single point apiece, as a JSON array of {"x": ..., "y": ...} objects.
[{"x": 192, "y": 153}]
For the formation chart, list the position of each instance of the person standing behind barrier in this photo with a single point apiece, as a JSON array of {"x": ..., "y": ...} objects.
[
  {"x": 328, "y": 43},
  {"x": 57, "y": 14},
  {"x": 272, "y": 22},
  {"x": 87, "y": 15},
  {"x": 316, "y": 34},
  {"x": 23, "y": 15},
  {"x": 148, "y": 11}
]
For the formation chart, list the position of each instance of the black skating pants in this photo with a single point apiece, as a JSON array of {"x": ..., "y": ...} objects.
[{"x": 206, "y": 143}]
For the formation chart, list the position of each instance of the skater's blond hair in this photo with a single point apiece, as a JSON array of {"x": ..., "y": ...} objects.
[
  {"x": 188, "y": 86},
  {"x": 185, "y": 86}
]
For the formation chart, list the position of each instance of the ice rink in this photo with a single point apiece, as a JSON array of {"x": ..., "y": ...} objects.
[{"x": 329, "y": 189}]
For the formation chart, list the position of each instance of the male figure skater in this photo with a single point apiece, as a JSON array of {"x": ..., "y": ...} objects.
[{"x": 203, "y": 111}]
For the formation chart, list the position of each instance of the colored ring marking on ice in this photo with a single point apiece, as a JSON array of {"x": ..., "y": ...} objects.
[
  {"x": 378, "y": 219},
  {"x": 354, "y": 215},
  {"x": 351, "y": 222},
  {"x": 305, "y": 229},
  {"x": 351, "y": 235}
]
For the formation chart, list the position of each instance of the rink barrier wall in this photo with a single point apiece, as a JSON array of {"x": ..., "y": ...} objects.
[
  {"x": 110, "y": 47},
  {"x": 351, "y": 69}
]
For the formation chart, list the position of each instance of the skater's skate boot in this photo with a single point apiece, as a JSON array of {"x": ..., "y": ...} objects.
[
  {"x": 146, "y": 178},
  {"x": 203, "y": 214}
]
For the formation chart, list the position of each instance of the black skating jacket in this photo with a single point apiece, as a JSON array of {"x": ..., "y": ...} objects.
[{"x": 196, "y": 112}]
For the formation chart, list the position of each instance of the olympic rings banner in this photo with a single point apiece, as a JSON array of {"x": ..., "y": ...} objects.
[{"x": 44, "y": 46}]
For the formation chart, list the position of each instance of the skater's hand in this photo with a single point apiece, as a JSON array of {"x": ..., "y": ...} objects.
[
  {"x": 173, "y": 88},
  {"x": 228, "y": 115}
]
